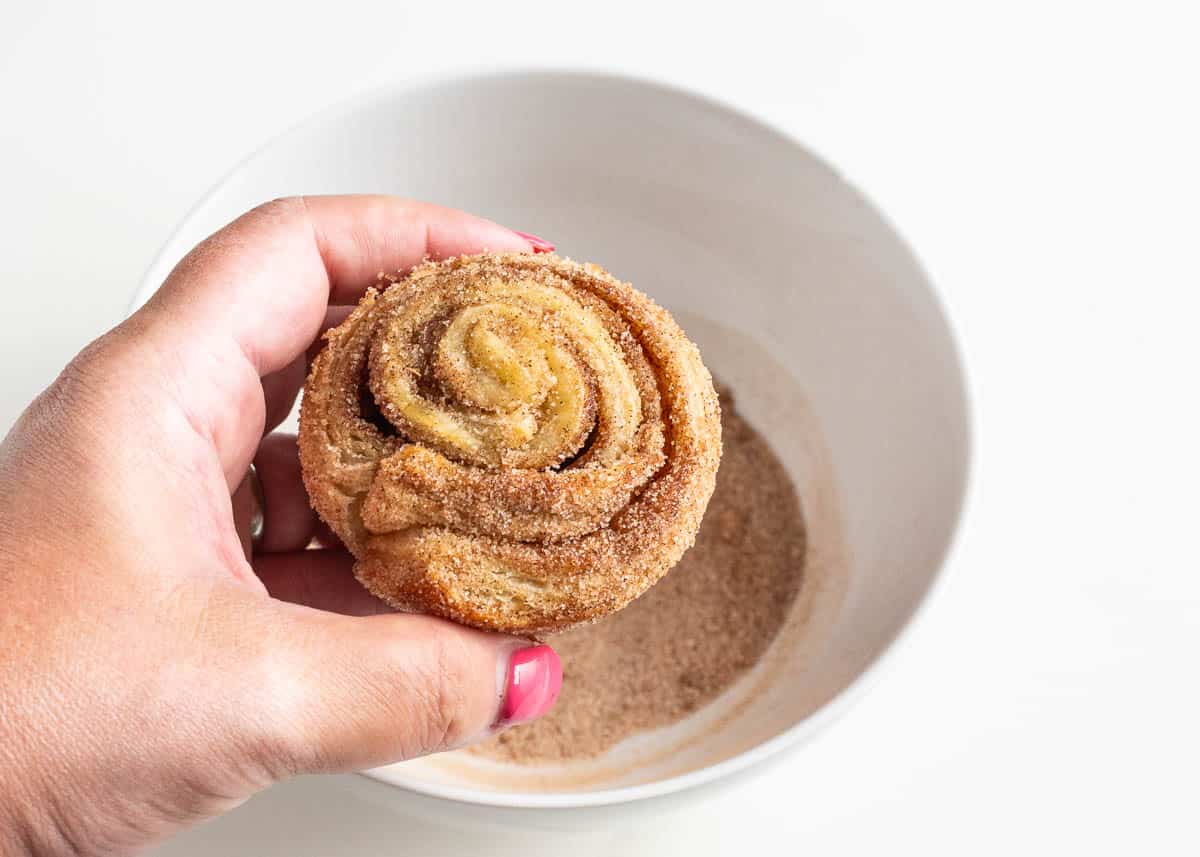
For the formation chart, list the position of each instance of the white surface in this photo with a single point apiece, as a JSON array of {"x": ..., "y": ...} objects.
[{"x": 1041, "y": 160}]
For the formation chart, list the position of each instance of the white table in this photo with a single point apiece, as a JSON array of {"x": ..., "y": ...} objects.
[{"x": 1040, "y": 159}]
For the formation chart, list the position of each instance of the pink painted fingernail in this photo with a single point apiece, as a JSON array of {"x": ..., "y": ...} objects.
[
  {"x": 534, "y": 679},
  {"x": 539, "y": 245}
]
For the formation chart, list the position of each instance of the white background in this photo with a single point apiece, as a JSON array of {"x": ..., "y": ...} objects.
[{"x": 1042, "y": 160}]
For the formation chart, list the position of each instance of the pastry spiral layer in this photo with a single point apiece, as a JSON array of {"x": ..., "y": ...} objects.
[{"x": 516, "y": 442}]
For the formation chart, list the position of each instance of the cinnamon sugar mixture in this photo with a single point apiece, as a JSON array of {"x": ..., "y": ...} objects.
[{"x": 694, "y": 633}]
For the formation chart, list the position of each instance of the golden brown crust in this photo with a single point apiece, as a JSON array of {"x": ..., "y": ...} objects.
[{"x": 520, "y": 443}]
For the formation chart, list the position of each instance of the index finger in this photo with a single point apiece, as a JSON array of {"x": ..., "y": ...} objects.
[
  {"x": 265, "y": 280},
  {"x": 250, "y": 298}
]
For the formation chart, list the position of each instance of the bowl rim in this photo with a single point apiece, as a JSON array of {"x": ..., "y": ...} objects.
[{"x": 802, "y": 731}]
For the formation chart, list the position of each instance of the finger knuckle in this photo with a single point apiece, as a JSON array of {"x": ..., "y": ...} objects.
[
  {"x": 283, "y": 740},
  {"x": 285, "y": 746},
  {"x": 75, "y": 386},
  {"x": 75, "y": 398},
  {"x": 279, "y": 208},
  {"x": 440, "y": 693}
]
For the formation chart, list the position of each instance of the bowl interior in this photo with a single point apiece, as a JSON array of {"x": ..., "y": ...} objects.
[{"x": 801, "y": 297}]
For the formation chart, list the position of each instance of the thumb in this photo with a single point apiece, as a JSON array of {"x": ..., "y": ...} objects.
[{"x": 358, "y": 692}]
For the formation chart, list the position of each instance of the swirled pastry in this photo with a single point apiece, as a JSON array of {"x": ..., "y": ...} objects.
[{"x": 516, "y": 442}]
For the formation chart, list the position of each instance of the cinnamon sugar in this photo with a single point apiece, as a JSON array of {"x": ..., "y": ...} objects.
[{"x": 693, "y": 634}]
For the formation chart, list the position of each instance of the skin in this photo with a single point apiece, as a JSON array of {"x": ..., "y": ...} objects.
[{"x": 150, "y": 674}]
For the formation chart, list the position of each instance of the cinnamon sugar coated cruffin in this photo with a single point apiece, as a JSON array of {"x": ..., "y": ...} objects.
[{"x": 516, "y": 442}]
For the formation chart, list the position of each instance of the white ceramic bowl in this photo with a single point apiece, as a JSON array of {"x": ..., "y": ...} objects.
[{"x": 801, "y": 297}]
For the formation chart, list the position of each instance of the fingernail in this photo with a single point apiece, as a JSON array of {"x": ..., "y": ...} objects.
[
  {"x": 534, "y": 679},
  {"x": 539, "y": 245}
]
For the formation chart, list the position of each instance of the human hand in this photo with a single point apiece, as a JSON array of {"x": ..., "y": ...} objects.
[{"x": 150, "y": 674}]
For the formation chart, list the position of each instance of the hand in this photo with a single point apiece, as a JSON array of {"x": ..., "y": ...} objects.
[{"x": 150, "y": 675}]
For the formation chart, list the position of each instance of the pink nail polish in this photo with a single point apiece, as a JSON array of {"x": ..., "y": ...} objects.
[
  {"x": 539, "y": 245},
  {"x": 534, "y": 679}
]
